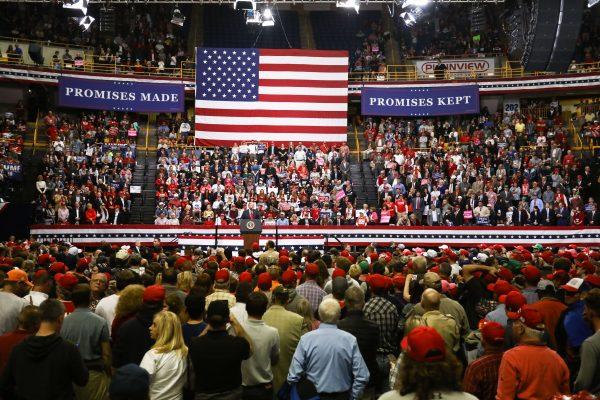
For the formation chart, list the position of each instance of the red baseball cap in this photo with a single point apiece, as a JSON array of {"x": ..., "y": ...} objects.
[
  {"x": 573, "y": 286},
  {"x": 245, "y": 277},
  {"x": 288, "y": 276},
  {"x": 500, "y": 287},
  {"x": 255, "y": 246},
  {"x": 593, "y": 280},
  {"x": 58, "y": 267},
  {"x": 424, "y": 344},
  {"x": 225, "y": 264},
  {"x": 513, "y": 301},
  {"x": 18, "y": 275},
  {"x": 492, "y": 332},
  {"x": 284, "y": 252},
  {"x": 82, "y": 264},
  {"x": 311, "y": 269},
  {"x": 338, "y": 272},
  {"x": 249, "y": 262},
  {"x": 45, "y": 259},
  {"x": 505, "y": 273},
  {"x": 284, "y": 261},
  {"x": 378, "y": 281},
  {"x": 399, "y": 280},
  {"x": 222, "y": 275},
  {"x": 531, "y": 317},
  {"x": 531, "y": 273},
  {"x": 154, "y": 293},
  {"x": 264, "y": 279},
  {"x": 67, "y": 281}
]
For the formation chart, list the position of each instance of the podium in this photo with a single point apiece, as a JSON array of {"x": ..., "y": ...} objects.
[{"x": 250, "y": 229}]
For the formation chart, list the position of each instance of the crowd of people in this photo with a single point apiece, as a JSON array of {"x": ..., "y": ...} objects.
[
  {"x": 282, "y": 185},
  {"x": 144, "y": 39},
  {"x": 510, "y": 170},
  {"x": 12, "y": 132},
  {"x": 153, "y": 322},
  {"x": 446, "y": 29},
  {"x": 369, "y": 55},
  {"x": 87, "y": 169}
]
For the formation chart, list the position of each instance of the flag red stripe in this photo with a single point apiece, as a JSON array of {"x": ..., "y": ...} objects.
[
  {"x": 210, "y": 142},
  {"x": 302, "y": 98},
  {"x": 269, "y": 113},
  {"x": 303, "y": 53},
  {"x": 302, "y": 83},
  {"x": 270, "y": 128},
  {"x": 303, "y": 68}
]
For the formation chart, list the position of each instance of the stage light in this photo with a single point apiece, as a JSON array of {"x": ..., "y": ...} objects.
[
  {"x": 81, "y": 5},
  {"x": 244, "y": 5},
  {"x": 408, "y": 18},
  {"x": 253, "y": 17},
  {"x": 178, "y": 18},
  {"x": 415, "y": 3},
  {"x": 592, "y": 3},
  {"x": 355, "y": 4},
  {"x": 86, "y": 22},
  {"x": 267, "y": 17}
]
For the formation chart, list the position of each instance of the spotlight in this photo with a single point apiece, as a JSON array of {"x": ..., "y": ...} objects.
[
  {"x": 408, "y": 18},
  {"x": 253, "y": 17},
  {"x": 592, "y": 3},
  {"x": 267, "y": 17},
  {"x": 415, "y": 3},
  {"x": 244, "y": 5},
  {"x": 86, "y": 22},
  {"x": 355, "y": 4},
  {"x": 81, "y": 5},
  {"x": 178, "y": 18}
]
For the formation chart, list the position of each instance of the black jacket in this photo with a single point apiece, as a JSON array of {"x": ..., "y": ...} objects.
[
  {"x": 133, "y": 340},
  {"x": 367, "y": 335},
  {"x": 43, "y": 367}
]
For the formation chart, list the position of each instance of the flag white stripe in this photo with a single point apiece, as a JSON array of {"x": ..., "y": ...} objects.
[
  {"x": 271, "y": 105},
  {"x": 291, "y": 137},
  {"x": 287, "y": 75},
  {"x": 206, "y": 119},
  {"x": 303, "y": 60},
  {"x": 294, "y": 90}
]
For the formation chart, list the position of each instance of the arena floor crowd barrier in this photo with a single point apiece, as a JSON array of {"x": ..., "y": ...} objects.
[{"x": 326, "y": 236}]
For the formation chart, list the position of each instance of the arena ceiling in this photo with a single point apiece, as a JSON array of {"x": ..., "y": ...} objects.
[{"x": 232, "y": 1}]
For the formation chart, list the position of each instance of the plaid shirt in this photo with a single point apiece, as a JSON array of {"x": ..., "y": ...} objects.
[
  {"x": 220, "y": 294},
  {"x": 385, "y": 315},
  {"x": 311, "y": 292},
  {"x": 481, "y": 376}
]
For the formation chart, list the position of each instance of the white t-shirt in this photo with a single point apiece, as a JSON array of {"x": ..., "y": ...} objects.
[
  {"x": 167, "y": 374},
  {"x": 107, "y": 307},
  {"x": 35, "y": 298},
  {"x": 395, "y": 395}
]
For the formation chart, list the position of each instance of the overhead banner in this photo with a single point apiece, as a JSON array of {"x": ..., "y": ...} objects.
[
  {"x": 422, "y": 101},
  {"x": 457, "y": 67},
  {"x": 100, "y": 94}
]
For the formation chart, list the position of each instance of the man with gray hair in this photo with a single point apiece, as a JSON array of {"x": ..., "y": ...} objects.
[{"x": 330, "y": 358}]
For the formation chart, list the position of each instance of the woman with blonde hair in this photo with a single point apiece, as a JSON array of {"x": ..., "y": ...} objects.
[
  {"x": 185, "y": 281},
  {"x": 305, "y": 311},
  {"x": 129, "y": 303},
  {"x": 166, "y": 361}
]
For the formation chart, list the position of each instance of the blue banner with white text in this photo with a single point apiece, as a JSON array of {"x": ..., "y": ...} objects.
[
  {"x": 420, "y": 101},
  {"x": 119, "y": 95}
]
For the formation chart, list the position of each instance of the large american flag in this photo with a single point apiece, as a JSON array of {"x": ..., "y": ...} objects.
[{"x": 269, "y": 95}]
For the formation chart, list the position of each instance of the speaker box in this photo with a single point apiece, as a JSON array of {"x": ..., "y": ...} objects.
[
  {"x": 35, "y": 53},
  {"x": 571, "y": 16},
  {"x": 542, "y": 31}
]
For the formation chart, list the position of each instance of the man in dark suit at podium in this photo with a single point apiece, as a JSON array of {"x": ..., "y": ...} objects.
[{"x": 251, "y": 212}]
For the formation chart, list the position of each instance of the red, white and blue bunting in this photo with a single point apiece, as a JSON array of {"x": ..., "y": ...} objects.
[
  {"x": 486, "y": 87},
  {"x": 467, "y": 236}
]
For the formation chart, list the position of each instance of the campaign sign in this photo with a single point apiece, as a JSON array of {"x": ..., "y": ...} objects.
[
  {"x": 420, "y": 101},
  {"x": 13, "y": 170},
  {"x": 108, "y": 94}
]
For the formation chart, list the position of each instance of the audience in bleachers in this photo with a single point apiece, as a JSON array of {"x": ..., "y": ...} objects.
[
  {"x": 509, "y": 171},
  {"x": 87, "y": 169},
  {"x": 12, "y": 131}
]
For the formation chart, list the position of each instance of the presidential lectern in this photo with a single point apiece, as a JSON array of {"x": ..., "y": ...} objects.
[{"x": 250, "y": 230}]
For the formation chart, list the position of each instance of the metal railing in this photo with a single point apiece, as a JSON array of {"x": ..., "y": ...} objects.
[{"x": 398, "y": 73}]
